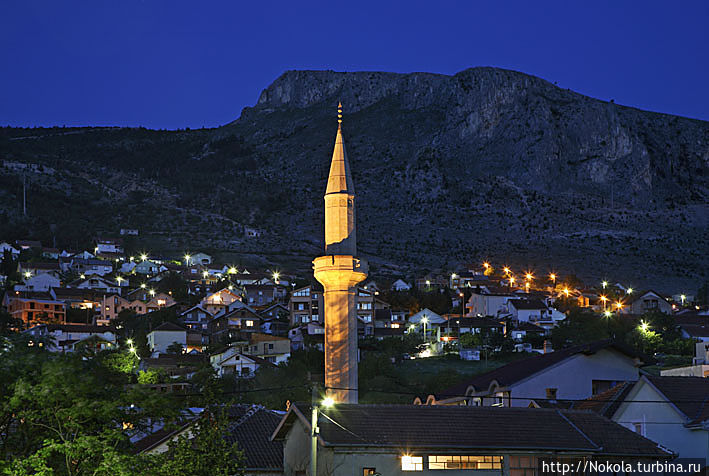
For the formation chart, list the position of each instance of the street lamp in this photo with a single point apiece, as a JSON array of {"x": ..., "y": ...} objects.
[
  {"x": 315, "y": 431},
  {"x": 276, "y": 275},
  {"x": 683, "y": 298},
  {"x": 566, "y": 291},
  {"x": 512, "y": 281},
  {"x": 506, "y": 270},
  {"x": 424, "y": 320},
  {"x": 644, "y": 326},
  {"x": 604, "y": 284},
  {"x": 28, "y": 274},
  {"x": 619, "y": 305},
  {"x": 143, "y": 257},
  {"x": 130, "y": 342},
  {"x": 604, "y": 299},
  {"x": 552, "y": 276},
  {"x": 187, "y": 259},
  {"x": 152, "y": 292},
  {"x": 142, "y": 286},
  {"x": 629, "y": 291}
]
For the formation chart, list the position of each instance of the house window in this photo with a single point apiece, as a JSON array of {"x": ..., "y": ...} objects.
[
  {"x": 464, "y": 462},
  {"x": 395, "y": 326},
  {"x": 523, "y": 465},
  {"x": 411, "y": 463},
  {"x": 369, "y": 471},
  {"x": 551, "y": 393},
  {"x": 639, "y": 428},
  {"x": 249, "y": 323}
]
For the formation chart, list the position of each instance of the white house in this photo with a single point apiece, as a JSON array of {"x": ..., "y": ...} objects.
[
  {"x": 232, "y": 362},
  {"x": 431, "y": 318},
  {"x": 163, "y": 336},
  {"x": 39, "y": 282},
  {"x": 400, "y": 285},
  {"x": 98, "y": 283},
  {"x": 535, "y": 311},
  {"x": 569, "y": 374},
  {"x": 488, "y": 301},
  {"x": 648, "y": 301},
  {"x": 109, "y": 246},
  {"x": 200, "y": 258},
  {"x": 672, "y": 411}
]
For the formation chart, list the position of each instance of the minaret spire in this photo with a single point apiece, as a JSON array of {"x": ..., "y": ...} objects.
[{"x": 339, "y": 271}]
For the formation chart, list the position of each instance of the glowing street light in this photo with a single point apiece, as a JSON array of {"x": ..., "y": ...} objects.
[
  {"x": 232, "y": 270},
  {"x": 28, "y": 274},
  {"x": 424, "y": 320},
  {"x": 683, "y": 298},
  {"x": 412, "y": 328},
  {"x": 187, "y": 259},
  {"x": 143, "y": 257},
  {"x": 328, "y": 402},
  {"x": 506, "y": 270},
  {"x": 528, "y": 276},
  {"x": 205, "y": 274},
  {"x": 604, "y": 284},
  {"x": 619, "y": 305},
  {"x": 608, "y": 314},
  {"x": 276, "y": 275},
  {"x": 130, "y": 342},
  {"x": 82, "y": 276},
  {"x": 552, "y": 276},
  {"x": 152, "y": 292},
  {"x": 644, "y": 326},
  {"x": 526, "y": 286},
  {"x": 512, "y": 280},
  {"x": 629, "y": 291},
  {"x": 604, "y": 299},
  {"x": 142, "y": 285},
  {"x": 566, "y": 291},
  {"x": 486, "y": 265}
]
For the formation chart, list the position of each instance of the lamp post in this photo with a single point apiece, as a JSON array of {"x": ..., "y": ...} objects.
[
  {"x": 315, "y": 430},
  {"x": 424, "y": 320}
]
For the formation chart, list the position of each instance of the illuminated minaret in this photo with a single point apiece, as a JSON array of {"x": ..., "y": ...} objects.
[{"x": 339, "y": 271}]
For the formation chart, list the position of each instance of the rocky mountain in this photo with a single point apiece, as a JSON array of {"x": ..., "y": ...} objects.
[{"x": 485, "y": 164}]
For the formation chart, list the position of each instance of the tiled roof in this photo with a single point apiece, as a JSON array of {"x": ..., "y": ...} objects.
[
  {"x": 421, "y": 426},
  {"x": 528, "y": 327},
  {"x": 606, "y": 403},
  {"x": 520, "y": 369},
  {"x": 528, "y": 304},
  {"x": 251, "y": 429},
  {"x": 689, "y": 394},
  {"x": 169, "y": 326}
]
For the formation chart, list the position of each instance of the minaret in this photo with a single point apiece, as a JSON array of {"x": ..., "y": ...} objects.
[{"x": 339, "y": 271}]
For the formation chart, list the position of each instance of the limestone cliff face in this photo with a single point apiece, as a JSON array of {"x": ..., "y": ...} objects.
[{"x": 490, "y": 121}]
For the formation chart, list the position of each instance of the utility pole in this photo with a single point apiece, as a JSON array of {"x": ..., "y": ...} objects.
[
  {"x": 24, "y": 195},
  {"x": 314, "y": 433}
]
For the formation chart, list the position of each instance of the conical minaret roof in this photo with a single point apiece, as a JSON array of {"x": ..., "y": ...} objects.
[{"x": 340, "y": 178}]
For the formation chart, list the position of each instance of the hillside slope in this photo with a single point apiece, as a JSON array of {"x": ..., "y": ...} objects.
[{"x": 487, "y": 163}]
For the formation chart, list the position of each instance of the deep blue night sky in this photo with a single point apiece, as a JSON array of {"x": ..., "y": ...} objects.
[{"x": 172, "y": 64}]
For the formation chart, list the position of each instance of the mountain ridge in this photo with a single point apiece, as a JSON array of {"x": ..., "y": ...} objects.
[{"x": 486, "y": 163}]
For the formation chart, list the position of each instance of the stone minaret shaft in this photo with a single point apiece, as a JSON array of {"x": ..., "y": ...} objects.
[{"x": 339, "y": 271}]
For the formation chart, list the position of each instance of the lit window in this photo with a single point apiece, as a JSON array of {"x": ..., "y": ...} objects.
[
  {"x": 411, "y": 463},
  {"x": 464, "y": 462},
  {"x": 249, "y": 323},
  {"x": 395, "y": 326},
  {"x": 523, "y": 465}
]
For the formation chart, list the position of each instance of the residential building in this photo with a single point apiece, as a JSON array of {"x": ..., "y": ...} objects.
[
  {"x": 219, "y": 301},
  {"x": 39, "y": 282},
  {"x": 699, "y": 367},
  {"x": 308, "y": 335},
  {"x": 231, "y": 361},
  {"x": 262, "y": 294},
  {"x": 489, "y": 301},
  {"x": 196, "y": 317},
  {"x": 27, "y": 270},
  {"x": 34, "y": 307},
  {"x": 166, "y": 334},
  {"x": 98, "y": 283},
  {"x": 69, "y": 337},
  {"x": 200, "y": 259},
  {"x": 91, "y": 266},
  {"x": 271, "y": 348},
  {"x": 147, "y": 267},
  {"x": 275, "y": 311},
  {"x": 575, "y": 373},
  {"x": 305, "y": 304},
  {"x": 234, "y": 324},
  {"x": 109, "y": 246},
  {"x": 400, "y": 285},
  {"x": 672, "y": 411},
  {"x": 535, "y": 311},
  {"x": 395, "y": 439},
  {"x": 5, "y": 246},
  {"x": 647, "y": 301},
  {"x": 429, "y": 316}
]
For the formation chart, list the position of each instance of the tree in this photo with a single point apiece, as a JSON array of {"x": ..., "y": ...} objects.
[{"x": 174, "y": 348}]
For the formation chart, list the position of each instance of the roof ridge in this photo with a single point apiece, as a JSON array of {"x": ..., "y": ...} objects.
[{"x": 593, "y": 443}]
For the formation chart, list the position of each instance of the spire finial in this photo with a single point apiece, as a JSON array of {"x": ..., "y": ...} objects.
[{"x": 339, "y": 114}]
